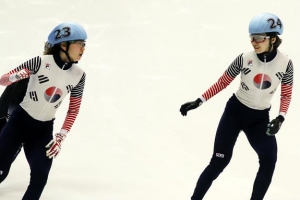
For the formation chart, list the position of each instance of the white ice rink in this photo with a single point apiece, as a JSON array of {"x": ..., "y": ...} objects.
[{"x": 143, "y": 59}]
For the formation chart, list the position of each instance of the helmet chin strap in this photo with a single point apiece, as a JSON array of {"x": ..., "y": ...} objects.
[
  {"x": 67, "y": 53},
  {"x": 270, "y": 49}
]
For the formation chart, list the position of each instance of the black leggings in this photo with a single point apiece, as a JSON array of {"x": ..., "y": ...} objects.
[
  {"x": 35, "y": 135},
  {"x": 237, "y": 117}
]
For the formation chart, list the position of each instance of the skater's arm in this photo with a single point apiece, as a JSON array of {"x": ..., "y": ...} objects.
[
  {"x": 74, "y": 105},
  {"x": 228, "y": 76},
  {"x": 286, "y": 89},
  {"x": 24, "y": 70}
]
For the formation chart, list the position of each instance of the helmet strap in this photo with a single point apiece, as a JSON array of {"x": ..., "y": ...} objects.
[
  {"x": 270, "y": 47},
  {"x": 67, "y": 52}
]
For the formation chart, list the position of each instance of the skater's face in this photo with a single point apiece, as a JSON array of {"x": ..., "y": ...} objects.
[
  {"x": 261, "y": 42},
  {"x": 76, "y": 50}
]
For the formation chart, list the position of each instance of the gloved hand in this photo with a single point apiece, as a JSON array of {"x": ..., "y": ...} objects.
[
  {"x": 55, "y": 145},
  {"x": 189, "y": 106},
  {"x": 274, "y": 125},
  {"x": 22, "y": 74}
]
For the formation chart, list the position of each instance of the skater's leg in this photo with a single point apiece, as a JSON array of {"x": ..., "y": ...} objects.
[
  {"x": 266, "y": 149},
  {"x": 39, "y": 163},
  {"x": 227, "y": 133},
  {"x": 10, "y": 143},
  {"x": 17, "y": 152},
  {"x": 39, "y": 168}
]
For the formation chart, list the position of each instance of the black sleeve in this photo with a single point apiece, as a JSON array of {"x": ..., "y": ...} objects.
[
  {"x": 18, "y": 94},
  {"x": 12, "y": 96},
  {"x": 5, "y": 99}
]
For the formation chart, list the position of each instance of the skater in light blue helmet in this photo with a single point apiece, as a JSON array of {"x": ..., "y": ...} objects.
[
  {"x": 51, "y": 77},
  {"x": 261, "y": 72}
]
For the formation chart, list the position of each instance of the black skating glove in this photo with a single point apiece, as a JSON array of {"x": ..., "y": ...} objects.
[
  {"x": 274, "y": 125},
  {"x": 190, "y": 106}
]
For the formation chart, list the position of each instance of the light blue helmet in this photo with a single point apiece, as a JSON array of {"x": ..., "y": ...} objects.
[
  {"x": 67, "y": 31},
  {"x": 265, "y": 23}
]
